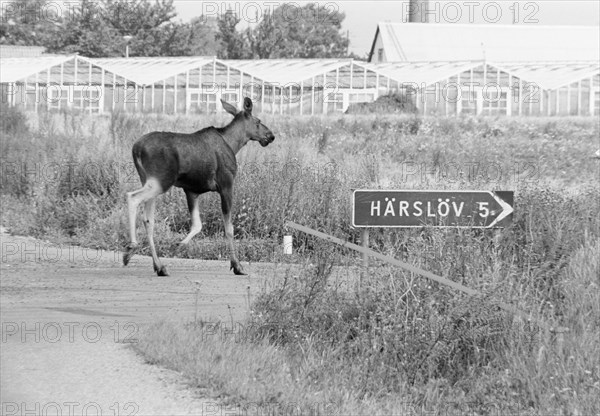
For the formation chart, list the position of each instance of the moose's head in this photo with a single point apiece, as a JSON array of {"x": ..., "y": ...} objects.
[{"x": 254, "y": 128}]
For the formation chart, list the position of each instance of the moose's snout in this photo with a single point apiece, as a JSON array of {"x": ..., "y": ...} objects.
[{"x": 269, "y": 137}]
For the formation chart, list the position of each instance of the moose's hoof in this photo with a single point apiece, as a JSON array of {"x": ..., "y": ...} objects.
[
  {"x": 237, "y": 268},
  {"x": 161, "y": 271},
  {"x": 130, "y": 251}
]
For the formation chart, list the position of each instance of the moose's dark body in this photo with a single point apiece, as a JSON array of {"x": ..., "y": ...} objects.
[
  {"x": 172, "y": 159},
  {"x": 199, "y": 162}
]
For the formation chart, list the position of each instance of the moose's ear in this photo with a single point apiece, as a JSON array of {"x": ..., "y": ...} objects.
[
  {"x": 229, "y": 108},
  {"x": 248, "y": 105}
]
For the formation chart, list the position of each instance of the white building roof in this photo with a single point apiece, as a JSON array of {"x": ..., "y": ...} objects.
[
  {"x": 551, "y": 75},
  {"x": 447, "y": 42},
  {"x": 286, "y": 71},
  {"x": 423, "y": 72},
  {"x": 148, "y": 70},
  {"x": 16, "y": 69}
]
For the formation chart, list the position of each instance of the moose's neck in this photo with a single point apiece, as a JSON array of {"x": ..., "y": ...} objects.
[{"x": 235, "y": 135}]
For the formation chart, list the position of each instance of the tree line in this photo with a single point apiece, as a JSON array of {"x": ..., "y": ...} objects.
[{"x": 103, "y": 28}]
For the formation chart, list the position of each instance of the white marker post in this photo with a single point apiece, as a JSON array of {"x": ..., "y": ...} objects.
[{"x": 287, "y": 244}]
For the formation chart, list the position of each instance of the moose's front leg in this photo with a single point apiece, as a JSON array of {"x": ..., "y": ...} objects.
[{"x": 226, "y": 199}]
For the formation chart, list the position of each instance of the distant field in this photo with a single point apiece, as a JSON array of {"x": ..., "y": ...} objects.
[{"x": 393, "y": 339}]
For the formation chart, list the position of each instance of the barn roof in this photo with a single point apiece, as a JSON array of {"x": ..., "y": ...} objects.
[{"x": 445, "y": 42}]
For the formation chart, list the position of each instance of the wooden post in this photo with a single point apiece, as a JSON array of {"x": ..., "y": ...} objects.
[{"x": 365, "y": 243}]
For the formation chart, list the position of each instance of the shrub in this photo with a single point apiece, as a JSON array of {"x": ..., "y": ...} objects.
[
  {"x": 13, "y": 120},
  {"x": 398, "y": 102}
]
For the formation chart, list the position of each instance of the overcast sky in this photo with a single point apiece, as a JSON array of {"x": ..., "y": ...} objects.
[{"x": 362, "y": 16}]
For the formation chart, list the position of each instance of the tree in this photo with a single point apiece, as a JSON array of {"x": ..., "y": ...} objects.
[
  {"x": 97, "y": 28},
  {"x": 234, "y": 45},
  {"x": 29, "y": 22},
  {"x": 85, "y": 31},
  {"x": 203, "y": 36},
  {"x": 149, "y": 25},
  {"x": 310, "y": 31}
]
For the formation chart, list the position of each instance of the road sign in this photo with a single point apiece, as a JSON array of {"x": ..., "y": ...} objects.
[{"x": 413, "y": 208}]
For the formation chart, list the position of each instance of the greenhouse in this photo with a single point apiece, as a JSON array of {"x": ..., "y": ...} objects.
[
  {"x": 189, "y": 85},
  {"x": 563, "y": 88},
  {"x": 314, "y": 86}
]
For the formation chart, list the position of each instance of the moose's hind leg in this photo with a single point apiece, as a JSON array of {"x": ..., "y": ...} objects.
[
  {"x": 226, "y": 199},
  {"x": 151, "y": 189},
  {"x": 193, "y": 206},
  {"x": 149, "y": 209}
]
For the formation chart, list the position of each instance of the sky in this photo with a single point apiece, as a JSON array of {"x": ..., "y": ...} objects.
[{"x": 362, "y": 16}]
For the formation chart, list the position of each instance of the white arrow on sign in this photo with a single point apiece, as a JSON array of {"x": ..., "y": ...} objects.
[{"x": 507, "y": 209}]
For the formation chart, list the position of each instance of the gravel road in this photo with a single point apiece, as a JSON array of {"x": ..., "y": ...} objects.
[{"x": 69, "y": 315}]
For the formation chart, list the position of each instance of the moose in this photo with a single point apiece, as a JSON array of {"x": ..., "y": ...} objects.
[{"x": 200, "y": 162}]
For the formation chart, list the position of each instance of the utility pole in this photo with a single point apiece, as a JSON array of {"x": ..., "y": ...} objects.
[
  {"x": 127, "y": 38},
  {"x": 348, "y": 42}
]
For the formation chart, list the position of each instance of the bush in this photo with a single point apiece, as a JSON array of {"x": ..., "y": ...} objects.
[
  {"x": 397, "y": 102},
  {"x": 13, "y": 120}
]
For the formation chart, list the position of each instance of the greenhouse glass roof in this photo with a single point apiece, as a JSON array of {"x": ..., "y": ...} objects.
[
  {"x": 149, "y": 70},
  {"x": 16, "y": 69},
  {"x": 552, "y": 75},
  {"x": 287, "y": 71},
  {"x": 422, "y": 72}
]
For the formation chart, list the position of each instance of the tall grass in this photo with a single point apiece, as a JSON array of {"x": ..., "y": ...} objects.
[
  {"x": 390, "y": 343},
  {"x": 385, "y": 340},
  {"x": 76, "y": 168}
]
